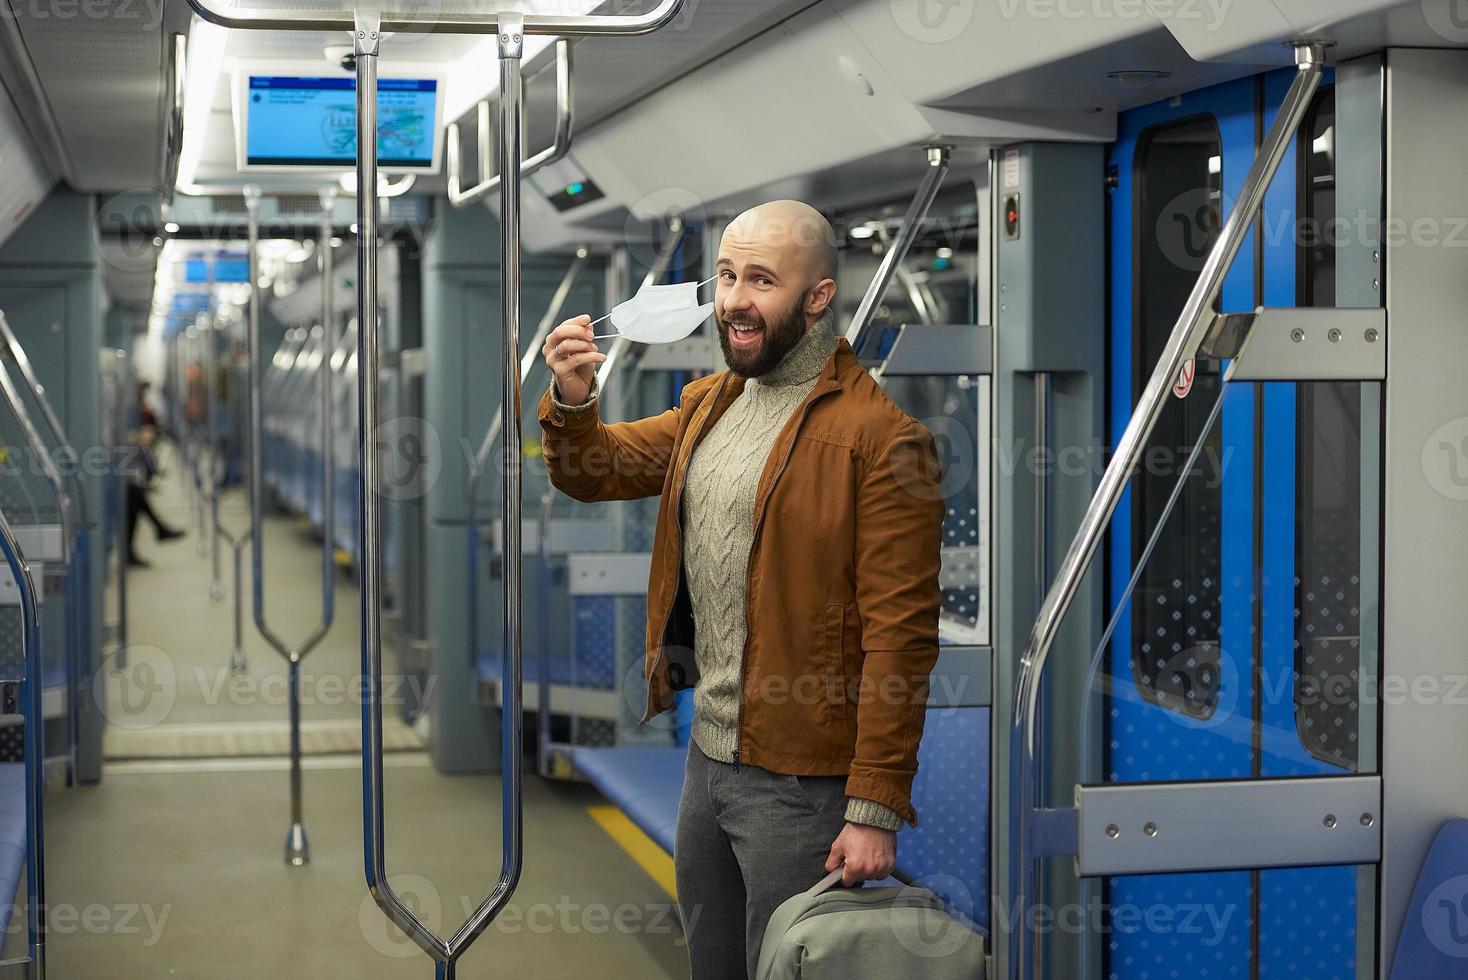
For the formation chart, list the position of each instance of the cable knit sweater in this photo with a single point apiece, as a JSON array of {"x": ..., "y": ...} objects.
[{"x": 718, "y": 534}]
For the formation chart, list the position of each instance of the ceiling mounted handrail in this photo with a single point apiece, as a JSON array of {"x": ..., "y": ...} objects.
[
  {"x": 565, "y": 100},
  {"x": 922, "y": 201},
  {"x": 437, "y": 22},
  {"x": 297, "y": 846},
  {"x": 1182, "y": 344}
]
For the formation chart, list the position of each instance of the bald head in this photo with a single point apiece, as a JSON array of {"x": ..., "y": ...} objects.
[
  {"x": 794, "y": 230},
  {"x": 777, "y": 277}
]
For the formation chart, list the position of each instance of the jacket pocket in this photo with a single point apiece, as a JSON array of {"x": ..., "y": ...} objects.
[{"x": 834, "y": 647}]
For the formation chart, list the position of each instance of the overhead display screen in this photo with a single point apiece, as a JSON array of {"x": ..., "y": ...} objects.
[{"x": 303, "y": 122}]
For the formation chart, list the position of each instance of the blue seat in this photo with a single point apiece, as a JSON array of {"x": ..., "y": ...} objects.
[
  {"x": 1434, "y": 939},
  {"x": 12, "y": 837},
  {"x": 489, "y": 667},
  {"x": 644, "y": 781},
  {"x": 948, "y": 852}
]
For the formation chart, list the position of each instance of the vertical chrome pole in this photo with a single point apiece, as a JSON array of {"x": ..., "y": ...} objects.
[
  {"x": 210, "y": 336},
  {"x": 237, "y": 662},
  {"x": 373, "y": 831},
  {"x": 329, "y": 340},
  {"x": 512, "y": 719},
  {"x": 119, "y": 442}
]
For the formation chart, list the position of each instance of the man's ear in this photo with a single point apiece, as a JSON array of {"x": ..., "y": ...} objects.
[{"x": 820, "y": 297}]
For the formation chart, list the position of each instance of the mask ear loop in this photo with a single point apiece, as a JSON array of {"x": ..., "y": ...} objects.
[{"x": 604, "y": 336}]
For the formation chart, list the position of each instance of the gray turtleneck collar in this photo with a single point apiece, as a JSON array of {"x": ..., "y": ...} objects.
[{"x": 805, "y": 360}]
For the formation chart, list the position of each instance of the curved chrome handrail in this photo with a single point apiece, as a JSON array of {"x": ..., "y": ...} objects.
[
  {"x": 516, "y": 24},
  {"x": 558, "y": 148},
  {"x": 1182, "y": 344},
  {"x": 938, "y": 162},
  {"x": 32, "y": 709},
  {"x": 297, "y": 846}
]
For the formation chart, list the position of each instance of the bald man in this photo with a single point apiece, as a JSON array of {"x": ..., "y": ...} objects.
[{"x": 794, "y": 583}]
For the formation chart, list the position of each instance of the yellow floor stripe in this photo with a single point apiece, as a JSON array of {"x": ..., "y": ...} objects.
[{"x": 640, "y": 847}]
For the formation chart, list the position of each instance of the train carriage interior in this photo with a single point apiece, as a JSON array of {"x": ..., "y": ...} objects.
[{"x": 1172, "y": 290}]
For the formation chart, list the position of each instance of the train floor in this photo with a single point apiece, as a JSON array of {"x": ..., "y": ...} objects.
[{"x": 172, "y": 866}]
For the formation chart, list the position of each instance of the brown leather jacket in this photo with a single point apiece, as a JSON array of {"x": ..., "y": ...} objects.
[{"x": 843, "y": 593}]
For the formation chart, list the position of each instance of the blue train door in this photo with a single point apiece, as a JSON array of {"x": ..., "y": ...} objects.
[{"x": 1228, "y": 613}]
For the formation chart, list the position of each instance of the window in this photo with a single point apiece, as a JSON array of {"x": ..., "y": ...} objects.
[
  {"x": 1175, "y": 608},
  {"x": 1328, "y": 487}
]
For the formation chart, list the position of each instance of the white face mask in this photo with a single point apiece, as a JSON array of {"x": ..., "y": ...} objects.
[{"x": 660, "y": 314}]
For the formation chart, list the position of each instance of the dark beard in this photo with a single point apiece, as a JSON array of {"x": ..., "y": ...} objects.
[{"x": 779, "y": 339}]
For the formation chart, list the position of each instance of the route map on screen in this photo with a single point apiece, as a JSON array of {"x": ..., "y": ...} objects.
[{"x": 297, "y": 121}]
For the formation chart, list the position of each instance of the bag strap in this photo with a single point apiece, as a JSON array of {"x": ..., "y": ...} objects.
[{"x": 825, "y": 883}]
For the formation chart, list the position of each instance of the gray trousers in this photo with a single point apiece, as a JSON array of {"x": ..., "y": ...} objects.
[{"x": 747, "y": 840}]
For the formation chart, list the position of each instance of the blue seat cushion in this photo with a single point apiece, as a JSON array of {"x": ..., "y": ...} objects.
[
  {"x": 1434, "y": 939},
  {"x": 948, "y": 852},
  {"x": 489, "y": 667},
  {"x": 12, "y": 837},
  {"x": 644, "y": 781}
]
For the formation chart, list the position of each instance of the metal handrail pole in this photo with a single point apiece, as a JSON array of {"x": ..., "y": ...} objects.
[
  {"x": 33, "y": 742},
  {"x": 297, "y": 845},
  {"x": 481, "y": 456},
  {"x": 906, "y": 234},
  {"x": 921, "y": 304},
  {"x": 48, "y": 413},
  {"x": 205, "y": 324},
  {"x": 81, "y": 550},
  {"x": 329, "y": 340},
  {"x": 1182, "y": 344},
  {"x": 367, "y": 39},
  {"x": 563, "y": 25},
  {"x": 621, "y": 345},
  {"x": 562, "y": 143},
  {"x": 124, "y": 544},
  {"x": 543, "y": 582},
  {"x": 22, "y": 416}
]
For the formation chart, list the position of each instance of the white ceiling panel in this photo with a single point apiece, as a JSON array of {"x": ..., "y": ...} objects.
[{"x": 100, "y": 65}]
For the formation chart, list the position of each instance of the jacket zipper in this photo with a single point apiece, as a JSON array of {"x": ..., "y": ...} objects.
[
  {"x": 678, "y": 527},
  {"x": 754, "y": 543}
]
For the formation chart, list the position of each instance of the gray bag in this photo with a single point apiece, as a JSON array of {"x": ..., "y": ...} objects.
[{"x": 867, "y": 934}]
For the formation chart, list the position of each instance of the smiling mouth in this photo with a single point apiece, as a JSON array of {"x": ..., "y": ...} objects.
[{"x": 745, "y": 329}]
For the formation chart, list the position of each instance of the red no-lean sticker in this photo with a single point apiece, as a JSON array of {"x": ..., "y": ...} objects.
[{"x": 1184, "y": 383}]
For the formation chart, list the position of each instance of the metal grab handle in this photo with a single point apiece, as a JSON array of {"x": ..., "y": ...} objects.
[
  {"x": 622, "y": 345},
  {"x": 22, "y": 416},
  {"x": 445, "y": 953},
  {"x": 906, "y": 234},
  {"x": 72, "y": 648},
  {"x": 1182, "y": 344},
  {"x": 481, "y": 456},
  {"x": 325, "y": 343},
  {"x": 562, "y": 143},
  {"x": 505, "y": 23},
  {"x": 32, "y": 711},
  {"x": 297, "y": 847},
  {"x": 78, "y": 597},
  {"x": 48, "y": 414}
]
